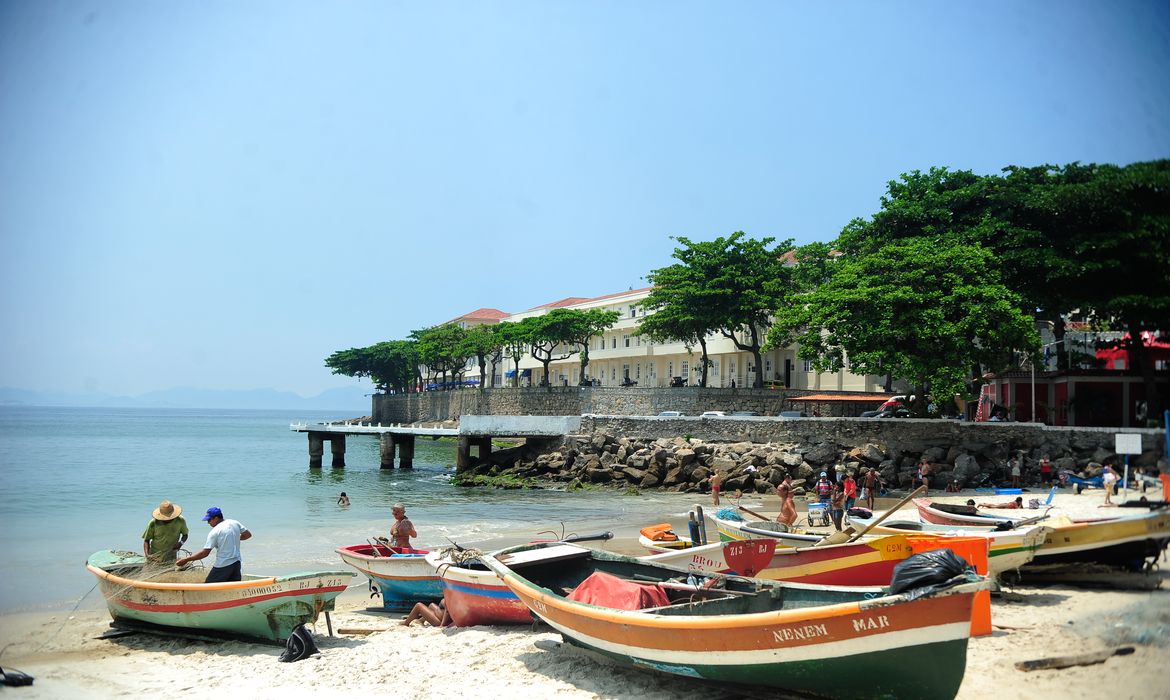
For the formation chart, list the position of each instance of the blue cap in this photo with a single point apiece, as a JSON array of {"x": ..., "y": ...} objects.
[{"x": 213, "y": 512}]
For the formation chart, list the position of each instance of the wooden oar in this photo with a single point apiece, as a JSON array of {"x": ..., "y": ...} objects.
[
  {"x": 752, "y": 512},
  {"x": 885, "y": 515}
]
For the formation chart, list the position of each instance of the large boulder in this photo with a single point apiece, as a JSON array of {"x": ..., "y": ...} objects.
[
  {"x": 966, "y": 469},
  {"x": 599, "y": 476},
  {"x": 634, "y": 474},
  {"x": 824, "y": 453},
  {"x": 685, "y": 456}
]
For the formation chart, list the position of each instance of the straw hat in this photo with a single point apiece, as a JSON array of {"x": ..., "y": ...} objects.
[{"x": 168, "y": 511}]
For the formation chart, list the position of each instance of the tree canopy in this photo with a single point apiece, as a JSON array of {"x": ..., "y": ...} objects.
[
  {"x": 577, "y": 328},
  {"x": 390, "y": 365},
  {"x": 924, "y": 311},
  {"x": 441, "y": 350},
  {"x": 732, "y": 285}
]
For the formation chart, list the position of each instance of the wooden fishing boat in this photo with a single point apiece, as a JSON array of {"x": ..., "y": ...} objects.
[
  {"x": 1007, "y": 549},
  {"x": 734, "y": 530},
  {"x": 1126, "y": 541},
  {"x": 866, "y": 563},
  {"x": 662, "y": 538},
  {"x": 820, "y": 640},
  {"x": 473, "y": 594},
  {"x": 401, "y": 574},
  {"x": 265, "y": 608},
  {"x": 954, "y": 514}
]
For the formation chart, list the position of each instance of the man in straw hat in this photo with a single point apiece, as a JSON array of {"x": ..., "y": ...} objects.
[{"x": 165, "y": 534}]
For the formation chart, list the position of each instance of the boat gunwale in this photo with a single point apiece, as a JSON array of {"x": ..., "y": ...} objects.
[{"x": 220, "y": 586}]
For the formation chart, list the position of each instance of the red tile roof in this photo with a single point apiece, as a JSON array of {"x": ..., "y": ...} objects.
[
  {"x": 484, "y": 314},
  {"x": 567, "y": 301}
]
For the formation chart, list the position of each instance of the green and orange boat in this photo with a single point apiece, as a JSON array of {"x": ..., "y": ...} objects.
[
  {"x": 169, "y": 601},
  {"x": 830, "y": 641}
]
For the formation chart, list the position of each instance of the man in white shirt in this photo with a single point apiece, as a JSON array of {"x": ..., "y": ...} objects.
[{"x": 224, "y": 538}]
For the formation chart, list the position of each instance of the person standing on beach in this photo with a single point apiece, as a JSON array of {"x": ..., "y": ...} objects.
[
  {"x": 164, "y": 534},
  {"x": 1045, "y": 470},
  {"x": 1108, "y": 480},
  {"x": 872, "y": 483},
  {"x": 716, "y": 480},
  {"x": 923, "y": 476},
  {"x": 787, "y": 503},
  {"x": 837, "y": 505},
  {"x": 850, "y": 487},
  {"x": 402, "y": 529},
  {"x": 224, "y": 538}
]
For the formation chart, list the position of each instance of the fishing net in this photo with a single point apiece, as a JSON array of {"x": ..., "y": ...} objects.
[{"x": 728, "y": 514}]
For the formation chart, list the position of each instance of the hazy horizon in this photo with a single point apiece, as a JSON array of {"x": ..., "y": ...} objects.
[{"x": 220, "y": 195}]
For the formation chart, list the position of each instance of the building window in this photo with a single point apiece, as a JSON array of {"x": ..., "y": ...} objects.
[
  {"x": 633, "y": 311},
  {"x": 613, "y": 373},
  {"x": 670, "y": 369},
  {"x": 685, "y": 369},
  {"x": 626, "y": 340},
  {"x": 767, "y": 367},
  {"x": 615, "y": 342},
  {"x": 808, "y": 365},
  {"x": 638, "y": 371}
]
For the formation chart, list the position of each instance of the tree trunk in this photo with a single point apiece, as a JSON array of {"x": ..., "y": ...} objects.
[
  {"x": 1140, "y": 357},
  {"x": 482, "y": 372},
  {"x": 584, "y": 363},
  {"x": 1058, "y": 330},
  {"x": 703, "y": 375}
]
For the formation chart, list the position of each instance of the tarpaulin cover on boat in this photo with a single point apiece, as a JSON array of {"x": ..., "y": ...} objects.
[
  {"x": 607, "y": 590},
  {"x": 659, "y": 533}
]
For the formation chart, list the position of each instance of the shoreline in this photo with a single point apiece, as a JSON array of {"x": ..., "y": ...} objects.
[{"x": 60, "y": 651}]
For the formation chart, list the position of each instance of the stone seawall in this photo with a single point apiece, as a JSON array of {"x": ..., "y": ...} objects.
[
  {"x": 756, "y": 454},
  {"x": 896, "y": 435},
  {"x": 576, "y": 401}
]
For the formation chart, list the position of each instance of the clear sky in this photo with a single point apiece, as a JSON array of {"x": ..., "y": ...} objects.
[{"x": 221, "y": 194}]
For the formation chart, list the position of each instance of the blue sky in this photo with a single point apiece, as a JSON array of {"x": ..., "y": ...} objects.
[{"x": 220, "y": 194}]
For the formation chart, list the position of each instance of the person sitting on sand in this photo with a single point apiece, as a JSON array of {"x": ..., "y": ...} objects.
[
  {"x": 343, "y": 500},
  {"x": 1018, "y": 503},
  {"x": 434, "y": 614},
  {"x": 954, "y": 487},
  {"x": 164, "y": 534},
  {"x": 402, "y": 529}
]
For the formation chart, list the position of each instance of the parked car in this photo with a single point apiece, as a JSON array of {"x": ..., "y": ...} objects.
[
  {"x": 744, "y": 413},
  {"x": 893, "y": 413},
  {"x": 871, "y": 414},
  {"x": 792, "y": 414},
  {"x": 712, "y": 414},
  {"x": 670, "y": 414}
]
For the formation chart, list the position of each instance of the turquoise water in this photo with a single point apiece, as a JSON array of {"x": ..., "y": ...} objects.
[{"x": 77, "y": 480}]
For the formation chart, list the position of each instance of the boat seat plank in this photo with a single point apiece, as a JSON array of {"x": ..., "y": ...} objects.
[{"x": 543, "y": 555}]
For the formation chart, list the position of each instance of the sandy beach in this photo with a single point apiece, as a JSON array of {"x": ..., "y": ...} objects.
[{"x": 419, "y": 662}]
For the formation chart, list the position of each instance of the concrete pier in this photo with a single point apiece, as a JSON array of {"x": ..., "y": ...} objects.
[{"x": 398, "y": 440}]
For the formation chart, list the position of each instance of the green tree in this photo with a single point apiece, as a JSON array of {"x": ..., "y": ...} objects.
[
  {"x": 578, "y": 327},
  {"x": 680, "y": 308},
  {"x": 514, "y": 341},
  {"x": 736, "y": 281},
  {"x": 441, "y": 351},
  {"x": 390, "y": 365},
  {"x": 549, "y": 339},
  {"x": 483, "y": 343},
  {"x": 923, "y": 310}
]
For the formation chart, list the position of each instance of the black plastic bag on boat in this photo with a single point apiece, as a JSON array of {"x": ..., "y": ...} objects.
[
  {"x": 923, "y": 573},
  {"x": 300, "y": 645}
]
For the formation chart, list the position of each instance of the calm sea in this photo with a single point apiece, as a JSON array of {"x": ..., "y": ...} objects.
[{"x": 77, "y": 480}]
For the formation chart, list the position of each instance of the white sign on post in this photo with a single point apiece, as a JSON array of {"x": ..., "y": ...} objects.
[{"x": 1128, "y": 443}]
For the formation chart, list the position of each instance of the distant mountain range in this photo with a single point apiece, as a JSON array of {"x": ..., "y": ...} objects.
[{"x": 351, "y": 398}]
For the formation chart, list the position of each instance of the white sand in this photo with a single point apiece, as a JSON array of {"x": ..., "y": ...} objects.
[{"x": 422, "y": 662}]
